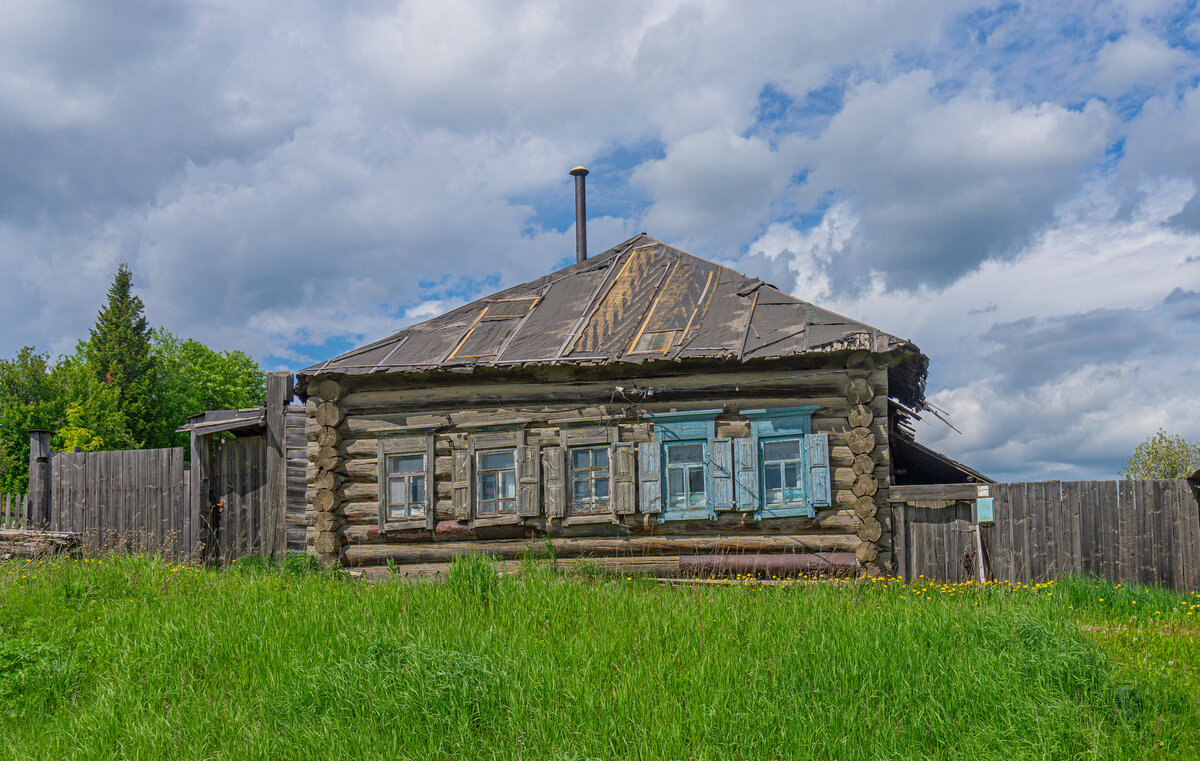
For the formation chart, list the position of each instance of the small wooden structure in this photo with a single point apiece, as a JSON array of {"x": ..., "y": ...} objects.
[{"x": 643, "y": 410}]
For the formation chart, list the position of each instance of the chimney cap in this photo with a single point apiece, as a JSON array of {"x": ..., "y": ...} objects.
[{"x": 580, "y": 171}]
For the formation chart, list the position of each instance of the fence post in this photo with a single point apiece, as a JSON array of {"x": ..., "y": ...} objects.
[
  {"x": 39, "y": 478},
  {"x": 199, "y": 503},
  {"x": 279, "y": 393}
]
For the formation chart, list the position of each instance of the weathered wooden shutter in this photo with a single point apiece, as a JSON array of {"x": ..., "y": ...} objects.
[
  {"x": 529, "y": 480},
  {"x": 720, "y": 475},
  {"x": 462, "y": 482},
  {"x": 817, "y": 451},
  {"x": 745, "y": 473},
  {"x": 622, "y": 487},
  {"x": 553, "y": 459},
  {"x": 650, "y": 477}
]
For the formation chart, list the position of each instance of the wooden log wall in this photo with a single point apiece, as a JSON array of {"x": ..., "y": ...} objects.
[
  {"x": 1132, "y": 532},
  {"x": 348, "y": 415}
]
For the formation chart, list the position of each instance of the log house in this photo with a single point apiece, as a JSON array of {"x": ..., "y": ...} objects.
[{"x": 643, "y": 410}]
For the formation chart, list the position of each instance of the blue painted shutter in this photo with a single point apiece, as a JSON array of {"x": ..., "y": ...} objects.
[
  {"x": 649, "y": 476},
  {"x": 745, "y": 461},
  {"x": 720, "y": 475},
  {"x": 817, "y": 450}
]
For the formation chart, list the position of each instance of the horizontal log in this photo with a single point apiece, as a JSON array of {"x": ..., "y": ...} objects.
[
  {"x": 779, "y": 565},
  {"x": 933, "y": 492},
  {"x": 567, "y": 547},
  {"x": 599, "y": 390}
]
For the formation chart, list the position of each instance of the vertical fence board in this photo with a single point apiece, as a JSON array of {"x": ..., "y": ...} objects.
[{"x": 1143, "y": 532}]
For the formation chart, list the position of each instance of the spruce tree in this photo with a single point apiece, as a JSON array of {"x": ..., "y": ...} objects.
[{"x": 119, "y": 355}]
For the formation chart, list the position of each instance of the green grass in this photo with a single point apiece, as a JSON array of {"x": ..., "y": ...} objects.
[{"x": 137, "y": 658}]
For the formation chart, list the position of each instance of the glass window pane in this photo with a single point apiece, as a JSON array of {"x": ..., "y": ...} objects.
[
  {"x": 508, "y": 484},
  {"x": 677, "y": 499},
  {"x": 508, "y": 506},
  {"x": 680, "y": 453},
  {"x": 417, "y": 490},
  {"x": 774, "y": 496},
  {"x": 396, "y": 495},
  {"x": 675, "y": 480},
  {"x": 773, "y": 476},
  {"x": 601, "y": 485},
  {"x": 396, "y": 512},
  {"x": 496, "y": 460},
  {"x": 791, "y": 475},
  {"x": 781, "y": 450},
  {"x": 600, "y": 457},
  {"x": 408, "y": 463},
  {"x": 581, "y": 458},
  {"x": 696, "y": 480},
  {"x": 696, "y": 499},
  {"x": 487, "y": 485},
  {"x": 581, "y": 490},
  {"x": 794, "y": 496}
]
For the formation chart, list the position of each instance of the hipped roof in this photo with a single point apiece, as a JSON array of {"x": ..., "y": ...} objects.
[{"x": 639, "y": 301}]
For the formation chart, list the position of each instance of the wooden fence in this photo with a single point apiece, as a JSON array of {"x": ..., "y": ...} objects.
[
  {"x": 124, "y": 500},
  {"x": 236, "y": 497},
  {"x": 14, "y": 511},
  {"x": 1144, "y": 532}
]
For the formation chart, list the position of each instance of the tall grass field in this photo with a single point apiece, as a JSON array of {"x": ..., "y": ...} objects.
[{"x": 137, "y": 658}]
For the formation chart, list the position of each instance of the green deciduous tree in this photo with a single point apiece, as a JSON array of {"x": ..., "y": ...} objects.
[
  {"x": 127, "y": 386},
  {"x": 1163, "y": 456},
  {"x": 28, "y": 400},
  {"x": 194, "y": 378},
  {"x": 118, "y": 354}
]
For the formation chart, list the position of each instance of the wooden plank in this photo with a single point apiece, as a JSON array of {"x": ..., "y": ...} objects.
[
  {"x": 1041, "y": 553},
  {"x": 932, "y": 492},
  {"x": 1020, "y": 544},
  {"x": 1190, "y": 508},
  {"x": 1001, "y": 548},
  {"x": 1147, "y": 536},
  {"x": 1164, "y": 532},
  {"x": 900, "y": 541},
  {"x": 1080, "y": 555},
  {"x": 1126, "y": 517},
  {"x": 1179, "y": 535}
]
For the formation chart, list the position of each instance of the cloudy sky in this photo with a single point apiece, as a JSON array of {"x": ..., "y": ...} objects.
[{"x": 1012, "y": 186}]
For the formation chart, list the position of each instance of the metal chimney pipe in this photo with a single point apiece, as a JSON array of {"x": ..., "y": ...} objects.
[{"x": 580, "y": 214}]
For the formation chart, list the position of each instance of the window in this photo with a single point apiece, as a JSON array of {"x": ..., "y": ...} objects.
[
  {"x": 783, "y": 468},
  {"x": 405, "y": 486},
  {"x": 685, "y": 465},
  {"x": 685, "y": 473},
  {"x": 783, "y": 473},
  {"x": 405, "y": 482},
  {"x": 589, "y": 480},
  {"x": 497, "y": 482}
]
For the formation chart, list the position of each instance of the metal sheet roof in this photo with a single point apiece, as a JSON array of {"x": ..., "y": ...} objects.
[{"x": 642, "y": 300}]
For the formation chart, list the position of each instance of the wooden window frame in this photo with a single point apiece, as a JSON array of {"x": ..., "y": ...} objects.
[
  {"x": 478, "y": 474},
  {"x": 689, "y": 427},
  {"x": 390, "y": 446},
  {"x": 582, "y": 436},
  {"x": 593, "y": 474},
  {"x": 782, "y": 424}
]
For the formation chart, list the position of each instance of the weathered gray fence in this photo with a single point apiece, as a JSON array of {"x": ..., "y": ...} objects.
[
  {"x": 14, "y": 511},
  {"x": 124, "y": 500},
  {"x": 1145, "y": 532},
  {"x": 237, "y": 497}
]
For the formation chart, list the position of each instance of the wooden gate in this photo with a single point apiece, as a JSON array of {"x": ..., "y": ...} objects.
[{"x": 238, "y": 511}]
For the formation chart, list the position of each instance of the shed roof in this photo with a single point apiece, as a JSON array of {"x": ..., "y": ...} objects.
[{"x": 641, "y": 300}]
